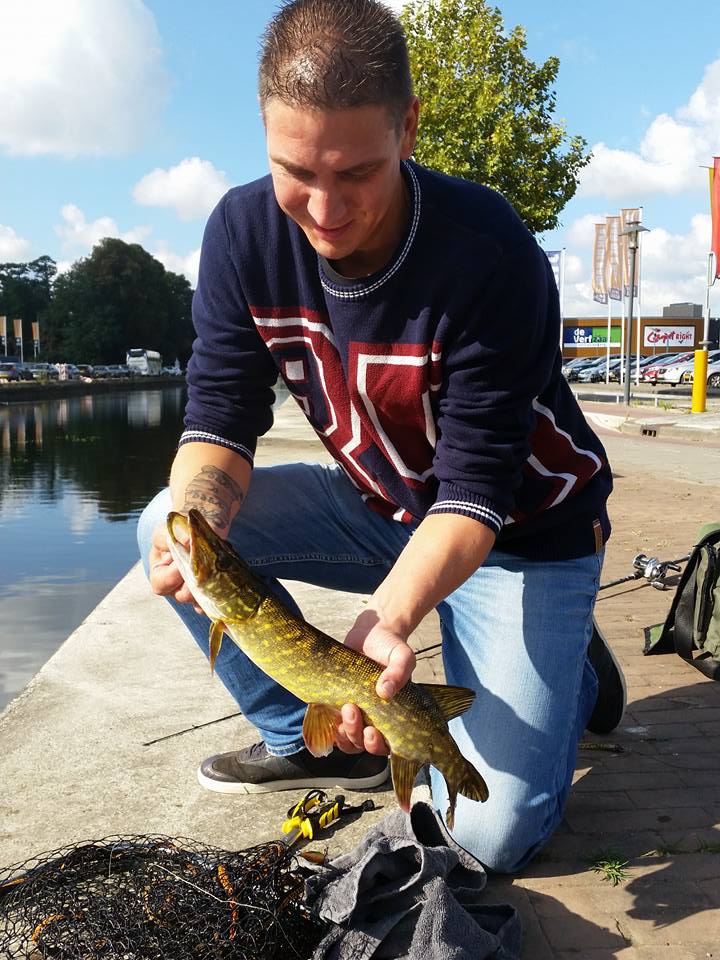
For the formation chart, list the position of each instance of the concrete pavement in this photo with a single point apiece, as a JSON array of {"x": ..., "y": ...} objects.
[{"x": 106, "y": 739}]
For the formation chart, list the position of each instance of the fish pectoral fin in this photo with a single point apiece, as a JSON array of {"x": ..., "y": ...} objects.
[
  {"x": 217, "y": 629},
  {"x": 403, "y": 771},
  {"x": 453, "y": 701},
  {"x": 319, "y": 728}
]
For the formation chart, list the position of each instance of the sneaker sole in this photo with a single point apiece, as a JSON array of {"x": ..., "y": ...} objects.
[
  {"x": 311, "y": 783},
  {"x": 623, "y": 684}
]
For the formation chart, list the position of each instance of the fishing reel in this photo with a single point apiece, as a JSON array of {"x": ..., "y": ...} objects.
[{"x": 654, "y": 570}]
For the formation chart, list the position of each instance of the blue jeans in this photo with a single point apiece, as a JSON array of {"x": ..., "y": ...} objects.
[{"x": 516, "y": 631}]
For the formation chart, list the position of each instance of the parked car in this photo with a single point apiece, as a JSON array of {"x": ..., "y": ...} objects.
[
  {"x": 713, "y": 373},
  {"x": 653, "y": 371},
  {"x": 24, "y": 372},
  {"x": 574, "y": 371},
  {"x": 9, "y": 372},
  {"x": 655, "y": 360},
  {"x": 592, "y": 372},
  {"x": 71, "y": 371},
  {"x": 44, "y": 371},
  {"x": 674, "y": 373},
  {"x": 100, "y": 372},
  {"x": 572, "y": 362},
  {"x": 115, "y": 371},
  {"x": 85, "y": 370}
]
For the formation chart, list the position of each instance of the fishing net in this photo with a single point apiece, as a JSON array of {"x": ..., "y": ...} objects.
[{"x": 157, "y": 898}]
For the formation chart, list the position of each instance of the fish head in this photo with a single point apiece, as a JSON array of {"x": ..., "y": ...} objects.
[{"x": 218, "y": 578}]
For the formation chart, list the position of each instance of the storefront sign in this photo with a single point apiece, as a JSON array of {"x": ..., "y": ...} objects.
[
  {"x": 590, "y": 336},
  {"x": 669, "y": 336}
]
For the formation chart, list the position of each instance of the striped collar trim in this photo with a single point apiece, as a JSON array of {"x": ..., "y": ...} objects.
[{"x": 362, "y": 288}]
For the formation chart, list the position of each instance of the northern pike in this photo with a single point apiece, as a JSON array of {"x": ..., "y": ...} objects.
[{"x": 320, "y": 670}]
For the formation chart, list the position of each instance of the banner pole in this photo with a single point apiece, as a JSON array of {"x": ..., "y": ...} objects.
[
  {"x": 609, "y": 329},
  {"x": 639, "y": 299}
]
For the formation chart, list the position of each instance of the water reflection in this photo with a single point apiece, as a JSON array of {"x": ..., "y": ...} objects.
[{"x": 74, "y": 475}]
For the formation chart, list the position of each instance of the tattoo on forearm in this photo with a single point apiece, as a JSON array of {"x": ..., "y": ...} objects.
[{"x": 213, "y": 492}]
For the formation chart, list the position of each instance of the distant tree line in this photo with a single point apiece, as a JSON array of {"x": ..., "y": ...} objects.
[{"x": 118, "y": 297}]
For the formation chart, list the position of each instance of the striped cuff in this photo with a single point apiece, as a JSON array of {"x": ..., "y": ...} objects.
[
  {"x": 205, "y": 436},
  {"x": 451, "y": 499}
]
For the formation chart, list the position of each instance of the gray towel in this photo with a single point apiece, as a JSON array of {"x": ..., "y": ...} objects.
[{"x": 409, "y": 892}]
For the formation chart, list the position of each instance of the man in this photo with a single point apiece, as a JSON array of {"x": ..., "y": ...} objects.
[{"x": 416, "y": 322}]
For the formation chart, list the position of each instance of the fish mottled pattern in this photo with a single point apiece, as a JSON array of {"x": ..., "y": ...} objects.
[{"x": 318, "y": 669}]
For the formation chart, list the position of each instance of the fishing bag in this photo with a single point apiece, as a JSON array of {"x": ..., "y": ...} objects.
[{"x": 692, "y": 627}]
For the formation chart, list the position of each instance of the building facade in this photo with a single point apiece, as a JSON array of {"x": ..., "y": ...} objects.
[{"x": 679, "y": 328}]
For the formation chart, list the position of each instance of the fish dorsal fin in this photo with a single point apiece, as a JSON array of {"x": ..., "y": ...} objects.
[{"x": 452, "y": 701}]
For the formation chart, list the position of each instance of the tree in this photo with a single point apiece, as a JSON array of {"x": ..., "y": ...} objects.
[
  {"x": 118, "y": 297},
  {"x": 25, "y": 291},
  {"x": 487, "y": 111}
]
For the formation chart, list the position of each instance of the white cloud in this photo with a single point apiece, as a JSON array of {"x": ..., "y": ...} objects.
[
  {"x": 673, "y": 268},
  {"x": 78, "y": 76},
  {"x": 671, "y": 152},
  {"x": 78, "y": 236},
  {"x": 192, "y": 188},
  {"x": 13, "y": 248},
  {"x": 187, "y": 265}
]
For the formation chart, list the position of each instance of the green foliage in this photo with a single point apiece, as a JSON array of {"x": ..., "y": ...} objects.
[
  {"x": 486, "y": 111},
  {"x": 25, "y": 290},
  {"x": 610, "y": 867},
  {"x": 118, "y": 297}
]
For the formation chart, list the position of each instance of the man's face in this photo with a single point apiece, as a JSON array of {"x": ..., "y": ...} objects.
[{"x": 336, "y": 173}]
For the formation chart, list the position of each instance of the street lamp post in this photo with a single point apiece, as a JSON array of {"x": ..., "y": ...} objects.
[{"x": 631, "y": 231}]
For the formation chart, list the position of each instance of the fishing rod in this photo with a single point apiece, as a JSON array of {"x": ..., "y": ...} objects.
[{"x": 651, "y": 569}]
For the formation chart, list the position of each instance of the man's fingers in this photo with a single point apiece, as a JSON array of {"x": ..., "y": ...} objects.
[
  {"x": 401, "y": 664},
  {"x": 353, "y": 736}
]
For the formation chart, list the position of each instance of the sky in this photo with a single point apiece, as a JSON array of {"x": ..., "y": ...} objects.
[{"x": 130, "y": 119}]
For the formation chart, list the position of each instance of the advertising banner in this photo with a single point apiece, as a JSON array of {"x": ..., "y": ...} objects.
[
  {"x": 36, "y": 330},
  {"x": 614, "y": 260},
  {"x": 3, "y": 327},
  {"x": 555, "y": 259},
  {"x": 17, "y": 327},
  {"x": 599, "y": 277},
  {"x": 671, "y": 337},
  {"x": 590, "y": 336},
  {"x": 629, "y": 215},
  {"x": 715, "y": 212}
]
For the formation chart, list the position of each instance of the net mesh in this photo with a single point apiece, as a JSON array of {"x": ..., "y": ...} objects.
[{"x": 157, "y": 897}]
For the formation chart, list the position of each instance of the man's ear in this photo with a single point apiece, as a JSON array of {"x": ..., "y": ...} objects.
[{"x": 408, "y": 134}]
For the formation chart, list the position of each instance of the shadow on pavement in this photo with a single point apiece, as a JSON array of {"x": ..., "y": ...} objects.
[{"x": 646, "y": 800}]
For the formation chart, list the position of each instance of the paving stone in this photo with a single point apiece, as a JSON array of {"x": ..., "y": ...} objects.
[
  {"x": 671, "y": 799},
  {"x": 630, "y": 821},
  {"x": 672, "y": 925}
]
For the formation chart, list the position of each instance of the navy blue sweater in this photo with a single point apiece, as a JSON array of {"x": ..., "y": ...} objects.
[{"x": 435, "y": 383}]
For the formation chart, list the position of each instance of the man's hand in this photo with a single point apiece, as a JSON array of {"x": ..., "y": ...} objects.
[
  {"x": 369, "y": 636},
  {"x": 165, "y": 578}
]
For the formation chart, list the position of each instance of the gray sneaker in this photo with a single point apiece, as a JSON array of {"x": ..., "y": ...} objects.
[{"x": 254, "y": 770}]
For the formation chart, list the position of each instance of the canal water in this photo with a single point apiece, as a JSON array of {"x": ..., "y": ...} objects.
[{"x": 75, "y": 475}]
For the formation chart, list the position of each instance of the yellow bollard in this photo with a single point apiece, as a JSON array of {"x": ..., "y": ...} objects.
[{"x": 699, "y": 390}]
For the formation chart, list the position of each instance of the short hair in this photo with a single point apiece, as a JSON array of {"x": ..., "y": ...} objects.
[{"x": 336, "y": 54}]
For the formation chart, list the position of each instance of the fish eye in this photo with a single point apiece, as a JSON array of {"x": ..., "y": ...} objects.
[{"x": 223, "y": 562}]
